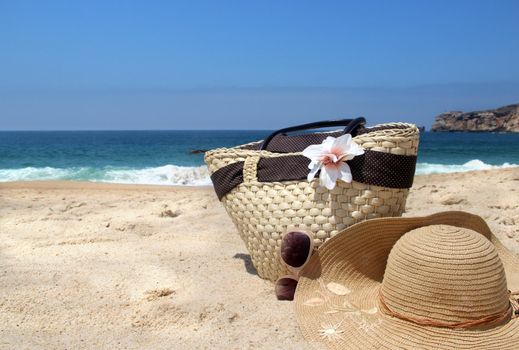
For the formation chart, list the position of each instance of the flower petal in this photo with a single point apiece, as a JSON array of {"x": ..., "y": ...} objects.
[
  {"x": 314, "y": 302},
  {"x": 352, "y": 151},
  {"x": 314, "y": 152},
  {"x": 312, "y": 164},
  {"x": 355, "y": 149},
  {"x": 328, "y": 177},
  {"x": 342, "y": 143},
  {"x": 327, "y": 144},
  {"x": 346, "y": 157},
  {"x": 338, "y": 289},
  {"x": 314, "y": 168},
  {"x": 331, "y": 157},
  {"x": 345, "y": 173}
]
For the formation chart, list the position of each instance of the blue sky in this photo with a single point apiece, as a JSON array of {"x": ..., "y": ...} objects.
[{"x": 251, "y": 64}]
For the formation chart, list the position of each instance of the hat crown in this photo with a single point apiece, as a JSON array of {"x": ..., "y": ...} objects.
[{"x": 446, "y": 274}]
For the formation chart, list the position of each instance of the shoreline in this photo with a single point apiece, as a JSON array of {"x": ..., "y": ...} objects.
[
  {"x": 98, "y": 185},
  {"x": 195, "y": 176},
  {"x": 74, "y": 184}
]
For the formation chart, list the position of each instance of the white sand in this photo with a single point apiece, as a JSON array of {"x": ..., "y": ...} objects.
[{"x": 102, "y": 266}]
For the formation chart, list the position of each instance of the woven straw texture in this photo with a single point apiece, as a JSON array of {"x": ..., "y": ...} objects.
[
  {"x": 445, "y": 268},
  {"x": 263, "y": 211}
]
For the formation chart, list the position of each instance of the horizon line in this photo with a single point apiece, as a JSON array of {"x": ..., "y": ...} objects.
[{"x": 93, "y": 130}]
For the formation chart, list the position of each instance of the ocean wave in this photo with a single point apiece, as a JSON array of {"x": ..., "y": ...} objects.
[
  {"x": 163, "y": 175},
  {"x": 181, "y": 175},
  {"x": 475, "y": 164}
]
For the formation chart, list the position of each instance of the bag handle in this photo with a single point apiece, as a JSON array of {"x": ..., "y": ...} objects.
[{"x": 350, "y": 126}]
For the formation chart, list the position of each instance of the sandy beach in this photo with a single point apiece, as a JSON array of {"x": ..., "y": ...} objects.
[{"x": 105, "y": 266}]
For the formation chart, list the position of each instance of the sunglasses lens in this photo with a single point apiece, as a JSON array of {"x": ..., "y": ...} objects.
[
  {"x": 295, "y": 248},
  {"x": 285, "y": 288}
]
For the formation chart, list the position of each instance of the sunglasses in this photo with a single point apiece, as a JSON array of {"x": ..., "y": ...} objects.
[{"x": 296, "y": 249}]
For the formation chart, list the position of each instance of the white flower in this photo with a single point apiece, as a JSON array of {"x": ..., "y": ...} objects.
[
  {"x": 330, "y": 331},
  {"x": 330, "y": 157}
]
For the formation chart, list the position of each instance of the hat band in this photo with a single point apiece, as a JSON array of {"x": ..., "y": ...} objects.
[{"x": 423, "y": 321}]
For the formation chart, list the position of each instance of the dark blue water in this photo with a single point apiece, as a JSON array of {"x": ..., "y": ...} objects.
[
  {"x": 62, "y": 149},
  {"x": 153, "y": 156},
  {"x": 459, "y": 148}
]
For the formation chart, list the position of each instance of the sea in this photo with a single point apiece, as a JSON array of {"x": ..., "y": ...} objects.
[{"x": 166, "y": 158}]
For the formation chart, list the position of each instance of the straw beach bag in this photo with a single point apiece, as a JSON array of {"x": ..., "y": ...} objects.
[{"x": 264, "y": 188}]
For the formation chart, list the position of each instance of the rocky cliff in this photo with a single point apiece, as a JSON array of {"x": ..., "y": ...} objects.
[{"x": 504, "y": 119}]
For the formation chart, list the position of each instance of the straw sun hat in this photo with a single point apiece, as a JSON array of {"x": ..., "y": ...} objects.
[{"x": 436, "y": 282}]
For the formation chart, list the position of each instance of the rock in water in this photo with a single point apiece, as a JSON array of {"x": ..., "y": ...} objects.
[{"x": 504, "y": 119}]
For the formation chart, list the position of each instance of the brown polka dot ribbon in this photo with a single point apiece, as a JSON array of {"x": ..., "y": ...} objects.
[{"x": 373, "y": 168}]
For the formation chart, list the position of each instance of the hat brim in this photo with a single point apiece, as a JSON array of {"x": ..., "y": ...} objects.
[{"x": 337, "y": 295}]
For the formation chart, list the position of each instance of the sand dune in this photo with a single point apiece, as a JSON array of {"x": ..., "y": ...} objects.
[{"x": 104, "y": 266}]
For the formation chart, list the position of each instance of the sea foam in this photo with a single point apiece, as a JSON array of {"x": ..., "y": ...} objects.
[
  {"x": 163, "y": 175},
  {"x": 475, "y": 164},
  {"x": 181, "y": 175}
]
